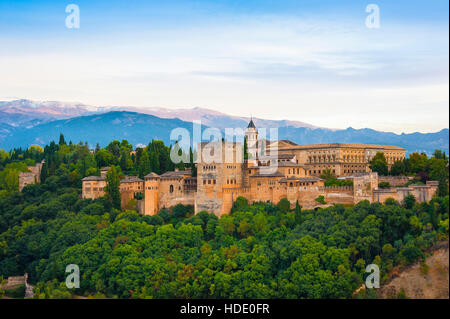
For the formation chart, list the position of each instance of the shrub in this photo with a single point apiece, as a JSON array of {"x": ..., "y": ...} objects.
[
  {"x": 424, "y": 268},
  {"x": 384, "y": 185},
  {"x": 320, "y": 199},
  {"x": 18, "y": 292}
]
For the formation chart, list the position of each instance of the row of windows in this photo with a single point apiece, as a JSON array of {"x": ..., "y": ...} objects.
[
  {"x": 209, "y": 181},
  {"x": 231, "y": 181},
  {"x": 231, "y": 166},
  {"x": 95, "y": 189},
  {"x": 322, "y": 159},
  {"x": 354, "y": 171},
  {"x": 152, "y": 187},
  {"x": 358, "y": 159},
  {"x": 293, "y": 171},
  {"x": 130, "y": 188},
  {"x": 171, "y": 188},
  {"x": 320, "y": 171},
  {"x": 209, "y": 167}
]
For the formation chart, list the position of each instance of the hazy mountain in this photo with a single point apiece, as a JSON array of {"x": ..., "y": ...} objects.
[
  {"x": 413, "y": 142},
  {"x": 30, "y": 113},
  {"x": 99, "y": 128},
  {"x": 25, "y": 122},
  {"x": 212, "y": 118},
  {"x": 142, "y": 128}
]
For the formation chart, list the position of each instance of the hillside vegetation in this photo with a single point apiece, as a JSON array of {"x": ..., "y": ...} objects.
[{"x": 261, "y": 250}]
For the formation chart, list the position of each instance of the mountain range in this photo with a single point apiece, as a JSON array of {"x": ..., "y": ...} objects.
[{"x": 25, "y": 122}]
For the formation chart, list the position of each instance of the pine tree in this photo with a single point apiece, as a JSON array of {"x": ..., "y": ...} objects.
[
  {"x": 145, "y": 166},
  {"x": 44, "y": 172},
  {"x": 154, "y": 162},
  {"x": 62, "y": 141}
]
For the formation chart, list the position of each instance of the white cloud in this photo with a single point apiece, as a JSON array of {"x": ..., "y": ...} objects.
[{"x": 327, "y": 73}]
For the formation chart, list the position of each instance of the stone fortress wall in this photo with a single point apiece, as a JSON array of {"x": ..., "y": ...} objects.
[{"x": 31, "y": 177}]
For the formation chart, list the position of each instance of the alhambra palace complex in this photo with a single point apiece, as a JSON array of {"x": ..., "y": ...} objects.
[{"x": 295, "y": 176}]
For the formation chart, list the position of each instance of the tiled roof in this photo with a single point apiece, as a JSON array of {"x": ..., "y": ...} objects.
[
  {"x": 278, "y": 156},
  {"x": 151, "y": 175},
  {"x": 131, "y": 179},
  {"x": 289, "y": 164},
  {"x": 93, "y": 178},
  {"x": 346, "y": 145},
  {"x": 301, "y": 179},
  {"x": 276, "y": 174},
  {"x": 176, "y": 174}
]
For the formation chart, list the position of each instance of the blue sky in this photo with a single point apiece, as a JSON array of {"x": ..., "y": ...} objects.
[{"x": 312, "y": 61}]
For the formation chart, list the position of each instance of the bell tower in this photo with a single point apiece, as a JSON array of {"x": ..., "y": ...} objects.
[{"x": 251, "y": 135}]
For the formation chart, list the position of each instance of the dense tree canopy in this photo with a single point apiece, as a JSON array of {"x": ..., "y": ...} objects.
[
  {"x": 261, "y": 250},
  {"x": 379, "y": 164}
]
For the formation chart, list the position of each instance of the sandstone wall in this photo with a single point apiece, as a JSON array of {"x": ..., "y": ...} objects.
[{"x": 394, "y": 180}]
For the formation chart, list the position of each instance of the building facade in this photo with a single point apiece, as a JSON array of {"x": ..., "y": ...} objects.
[
  {"x": 342, "y": 159},
  {"x": 292, "y": 172}
]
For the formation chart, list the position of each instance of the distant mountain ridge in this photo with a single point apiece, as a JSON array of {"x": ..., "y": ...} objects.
[
  {"x": 30, "y": 113},
  {"x": 24, "y": 122},
  {"x": 98, "y": 128}
]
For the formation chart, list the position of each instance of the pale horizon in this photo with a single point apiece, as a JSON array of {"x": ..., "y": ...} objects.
[{"x": 301, "y": 61}]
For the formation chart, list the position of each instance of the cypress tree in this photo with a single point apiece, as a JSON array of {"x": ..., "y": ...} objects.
[
  {"x": 62, "y": 141},
  {"x": 112, "y": 189}
]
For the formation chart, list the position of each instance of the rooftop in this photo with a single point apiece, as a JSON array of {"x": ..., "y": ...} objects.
[
  {"x": 176, "y": 174},
  {"x": 301, "y": 179},
  {"x": 154, "y": 175},
  {"x": 93, "y": 178},
  {"x": 275, "y": 174},
  {"x": 131, "y": 179},
  {"x": 344, "y": 145}
]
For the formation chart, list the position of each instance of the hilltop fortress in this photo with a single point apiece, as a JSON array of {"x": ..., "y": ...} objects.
[{"x": 284, "y": 170}]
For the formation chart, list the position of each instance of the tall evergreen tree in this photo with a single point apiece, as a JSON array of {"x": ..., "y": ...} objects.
[
  {"x": 112, "y": 189},
  {"x": 154, "y": 162},
  {"x": 145, "y": 165},
  {"x": 44, "y": 172},
  {"x": 62, "y": 141},
  {"x": 245, "y": 149}
]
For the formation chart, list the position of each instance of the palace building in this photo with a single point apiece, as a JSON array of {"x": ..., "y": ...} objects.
[{"x": 281, "y": 169}]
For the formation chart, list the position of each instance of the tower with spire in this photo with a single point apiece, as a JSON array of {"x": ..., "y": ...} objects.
[{"x": 251, "y": 135}]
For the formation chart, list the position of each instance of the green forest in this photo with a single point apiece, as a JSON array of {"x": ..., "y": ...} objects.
[{"x": 261, "y": 250}]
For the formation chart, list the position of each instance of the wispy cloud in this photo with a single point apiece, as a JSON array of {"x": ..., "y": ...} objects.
[{"x": 283, "y": 65}]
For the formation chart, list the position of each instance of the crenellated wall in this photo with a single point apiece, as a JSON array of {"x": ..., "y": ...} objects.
[
  {"x": 394, "y": 180},
  {"x": 422, "y": 193}
]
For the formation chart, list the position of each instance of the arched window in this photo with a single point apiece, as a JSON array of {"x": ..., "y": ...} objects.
[{"x": 171, "y": 188}]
